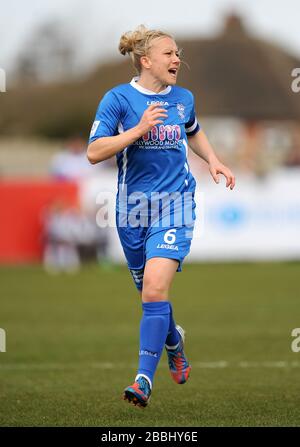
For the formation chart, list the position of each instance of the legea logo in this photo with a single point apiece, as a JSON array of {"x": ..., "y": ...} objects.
[
  {"x": 160, "y": 103},
  {"x": 2, "y": 340}
]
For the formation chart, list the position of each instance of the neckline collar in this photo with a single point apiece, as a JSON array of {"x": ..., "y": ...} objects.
[{"x": 141, "y": 89}]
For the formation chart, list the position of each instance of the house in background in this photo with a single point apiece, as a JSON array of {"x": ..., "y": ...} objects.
[{"x": 244, "y": 97}]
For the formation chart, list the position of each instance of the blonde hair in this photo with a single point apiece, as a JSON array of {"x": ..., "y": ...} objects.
[{"x": 137, "y": 43}]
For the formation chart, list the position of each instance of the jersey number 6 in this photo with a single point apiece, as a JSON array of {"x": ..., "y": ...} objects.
[{"x": 170, "y": 236}]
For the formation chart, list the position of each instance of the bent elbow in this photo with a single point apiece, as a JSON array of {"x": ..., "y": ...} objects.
[
  {"x": 91, "y": 158},
  {"x": 90, "y": 154}
]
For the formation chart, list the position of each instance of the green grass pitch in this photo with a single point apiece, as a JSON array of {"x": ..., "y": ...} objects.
[{"x": 72, "y": 344}]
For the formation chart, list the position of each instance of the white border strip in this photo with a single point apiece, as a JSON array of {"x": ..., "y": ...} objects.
[{"x": 124, "y": 167}]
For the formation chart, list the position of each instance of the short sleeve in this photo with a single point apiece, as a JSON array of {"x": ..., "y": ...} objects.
[
  {"x": 192, "y": 126},
  {"x": 107, "y": 117}
]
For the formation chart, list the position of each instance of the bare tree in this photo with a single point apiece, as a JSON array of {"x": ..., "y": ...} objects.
[{"x": 48, "y": 55}]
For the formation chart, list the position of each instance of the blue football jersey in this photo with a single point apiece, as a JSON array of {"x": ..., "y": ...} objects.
[{"x": 157, "y": 161}]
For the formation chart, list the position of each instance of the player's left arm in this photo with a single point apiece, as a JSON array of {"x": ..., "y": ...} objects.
[{"x": 202, "y": 147}]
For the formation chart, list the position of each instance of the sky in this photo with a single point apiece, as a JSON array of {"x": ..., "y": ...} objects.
[{"x": 96, "y": 25}]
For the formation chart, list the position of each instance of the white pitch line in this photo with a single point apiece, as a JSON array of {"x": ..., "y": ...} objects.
[{"x": 108, "y": 365}]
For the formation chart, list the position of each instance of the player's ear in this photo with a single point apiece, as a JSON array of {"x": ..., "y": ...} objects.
[{"x": 145, "y": 62}]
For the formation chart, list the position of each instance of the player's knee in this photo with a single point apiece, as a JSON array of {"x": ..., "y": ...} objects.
[{"x": 154, "y": 292}]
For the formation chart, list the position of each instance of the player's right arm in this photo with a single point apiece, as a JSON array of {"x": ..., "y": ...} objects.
[{"x": 104, "y": 147}]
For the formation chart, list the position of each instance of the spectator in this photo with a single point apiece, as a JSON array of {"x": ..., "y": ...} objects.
[{"x": 71, "y": 163}]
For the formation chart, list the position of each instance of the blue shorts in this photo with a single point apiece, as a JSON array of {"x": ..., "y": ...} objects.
[{"x": 143, "y": 243}]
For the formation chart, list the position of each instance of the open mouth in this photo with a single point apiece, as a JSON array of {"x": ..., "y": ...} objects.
[{"x": 173, "y": 71}]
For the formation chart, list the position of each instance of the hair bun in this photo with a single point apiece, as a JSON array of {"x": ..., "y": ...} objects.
[{"x": 126, "y": 44}]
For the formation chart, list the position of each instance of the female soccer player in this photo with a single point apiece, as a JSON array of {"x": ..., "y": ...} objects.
[{"x": 148, "y": 124}]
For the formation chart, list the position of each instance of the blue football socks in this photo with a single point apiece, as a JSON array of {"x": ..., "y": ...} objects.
[
  {"x": 153, "y": 333},
  {"x": 173, "y": 337}
]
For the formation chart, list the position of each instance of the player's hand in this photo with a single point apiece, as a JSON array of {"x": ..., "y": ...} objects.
[
  {"x": 151, "y": 117},
  {"x": 216, "y": 168}
]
